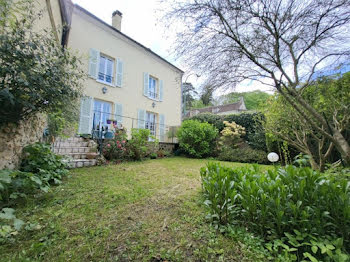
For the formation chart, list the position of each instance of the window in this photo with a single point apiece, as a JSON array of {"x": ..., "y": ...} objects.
[
  {"x": 151, "y": 122},
  {"x": 102, "y": 112},
  {"x": 105, "y": 72},
  {"x": 152, "y": 88}
]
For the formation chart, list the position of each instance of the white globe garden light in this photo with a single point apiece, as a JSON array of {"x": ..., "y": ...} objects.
[{"x": 272, "y": 157}]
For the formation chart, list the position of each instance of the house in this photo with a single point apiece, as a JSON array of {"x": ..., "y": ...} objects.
[
  {"x": 234, "y": 108},
  {"x": 127, "y": 83}
]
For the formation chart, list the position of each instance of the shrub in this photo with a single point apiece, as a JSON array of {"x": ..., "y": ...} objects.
[
  {"x": 231, "y": 135},
  {"x": 279, "y": 203},
  {"x": 40, "y": 160},
  {"x": 197, "y": 139},
  {"x": 16, "y": 184},
  {"x": 38, "y": 75},
  {"x": 243, "y": 155},
  {"x": 255, "y": 134},
  {"x": 138, "y": 144},
  {"x": 115, "y": 149},
  {"x": 215, "y": 120}
]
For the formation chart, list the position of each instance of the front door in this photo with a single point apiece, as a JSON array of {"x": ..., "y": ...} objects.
[{"x": 102, "y": 112}]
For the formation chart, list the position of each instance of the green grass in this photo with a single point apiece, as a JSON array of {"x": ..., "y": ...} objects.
[{"x": 139, "y": 211}]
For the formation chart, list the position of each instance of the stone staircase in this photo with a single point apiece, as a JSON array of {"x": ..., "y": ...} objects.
[{"x": 79, "y": 151}]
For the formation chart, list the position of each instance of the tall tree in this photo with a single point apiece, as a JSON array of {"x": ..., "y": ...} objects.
[
  {"x": 281, "y": 43},
  {"x": 206, "y": 95},
  {"x": 188, "y": 95}
]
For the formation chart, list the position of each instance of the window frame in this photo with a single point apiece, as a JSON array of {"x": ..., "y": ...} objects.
[
  {"x": 112, "y": 61},
  {"x": 154, "y": 94},
  {"x": 149, "y": 124}
]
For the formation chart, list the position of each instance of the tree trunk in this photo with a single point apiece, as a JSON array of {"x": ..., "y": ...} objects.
[
  {"x": 342, "y": 146},
  {"x": 337, "y": 138}
]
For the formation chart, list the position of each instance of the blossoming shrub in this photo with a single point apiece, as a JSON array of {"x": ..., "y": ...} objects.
[
  {"x": 115, "y": 149},
  {"x": 231, "y": 135}
]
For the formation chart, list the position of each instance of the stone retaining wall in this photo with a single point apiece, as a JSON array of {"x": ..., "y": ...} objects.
[
  {"x": 14, "y": 137},
  {"x": 168, "y": 147}
]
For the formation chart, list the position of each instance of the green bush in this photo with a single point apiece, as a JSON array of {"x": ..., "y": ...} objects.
[
  {"x": 40, "y": 160},
  {"x": 243, "y": 155},
  {"x": 37, "y": 74},
  {"x": 138, "y": 144},
  {"x": 255, "y": 134},
  {"x": 215, "y": 120},
  {"x": 16, "y": 184},
  {"x": 279, "y": 203},
  {"x": 197, "y": 139}
]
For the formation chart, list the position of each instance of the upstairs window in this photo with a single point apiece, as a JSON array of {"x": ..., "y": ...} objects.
[
  {"x": 152, "y": 89},
  {"x": 105, "y": 73}
]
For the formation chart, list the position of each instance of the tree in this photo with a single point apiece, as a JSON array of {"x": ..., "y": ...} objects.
[
  {"x": 188, "y": 94},
  {"x": 37, "y": 74},
  {"x": 206, "y": 95},
  {"x": 327, "y": 96},
  {"x": 253, "y": 100},
  {"x": 281, "y": 43}
]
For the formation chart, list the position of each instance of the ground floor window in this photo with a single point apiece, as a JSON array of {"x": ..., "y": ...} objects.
[
  {"x": 102, "y": 112},
  {"x": 151, "y": 122}
]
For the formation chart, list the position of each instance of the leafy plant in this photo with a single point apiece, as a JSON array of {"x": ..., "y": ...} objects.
[
  {"x": 276, "y": 202},
  {"x": 138, "y": 143},
  {"x": 40, "y": 160},
  {"x": 37, "y": 74},
  {"x": 243, "y": 155},
  {"x": 197, "y": 139},
  {"x": 9, "y": 224},
  {"x": 153, "y": 155}
]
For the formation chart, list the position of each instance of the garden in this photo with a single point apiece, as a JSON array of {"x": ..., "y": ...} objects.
[{"x": 216, "y": 197}]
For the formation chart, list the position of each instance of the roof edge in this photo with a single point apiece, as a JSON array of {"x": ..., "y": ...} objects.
[{"x": 128, "y": 37}]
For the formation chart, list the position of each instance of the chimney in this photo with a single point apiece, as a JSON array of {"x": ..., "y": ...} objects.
[{"x": 117, "y": 20}]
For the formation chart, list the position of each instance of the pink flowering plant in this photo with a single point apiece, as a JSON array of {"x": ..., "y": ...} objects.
[{"x": 115, "y": 149}]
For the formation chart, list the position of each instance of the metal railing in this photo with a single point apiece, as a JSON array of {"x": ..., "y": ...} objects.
[
  {"x": 153, "y": 95},
  {"x": 154, "y": 127},
  {"x": 105, "y": 78}
]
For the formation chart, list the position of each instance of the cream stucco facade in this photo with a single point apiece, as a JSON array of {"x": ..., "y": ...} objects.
[{"x": 126, "y": 91}]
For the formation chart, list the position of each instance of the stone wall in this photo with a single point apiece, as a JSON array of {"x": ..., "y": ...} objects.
[
  {"x": 168, "y": 147},
  {"x": 14, "y": 137}
]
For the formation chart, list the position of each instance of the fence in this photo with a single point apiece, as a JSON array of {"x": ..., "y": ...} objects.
[{"x": 100, "y": 120}]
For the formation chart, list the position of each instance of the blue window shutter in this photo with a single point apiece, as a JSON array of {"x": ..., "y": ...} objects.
[
  {"x": 94, "y": 57},
  {"x": 141, "y": 115},
  {"x": 145, "y": 83},
  {"x": 161, "y": 128},
  {"x": 160, "y": 90},
  {"x": 119, "y": 113},
  {"x": 120, "y": 72},
  {"x": 86, "y": 112}
]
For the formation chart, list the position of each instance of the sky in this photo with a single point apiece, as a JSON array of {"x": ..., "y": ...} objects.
[{"x": 140, "y": 23}]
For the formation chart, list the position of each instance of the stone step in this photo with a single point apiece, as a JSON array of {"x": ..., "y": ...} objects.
[
  {"x": 71, "y": 144},
  {"x": 82, "y": 163},
  {"x": 70, "y": 139},
  {"x": 80, "y": 155},
  {"x": 68, "y": 150}
]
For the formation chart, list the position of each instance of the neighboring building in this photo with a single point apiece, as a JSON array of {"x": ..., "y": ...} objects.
[
  {"x": 127, "y": 81},
  {"x": 234, "y": 108}
]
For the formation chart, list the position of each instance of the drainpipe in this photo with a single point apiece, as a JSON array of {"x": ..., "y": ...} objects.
[{"x": 53, "y": 25}]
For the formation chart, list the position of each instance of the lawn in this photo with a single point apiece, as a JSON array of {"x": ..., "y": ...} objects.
[{"x": 138, "y": 211}]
